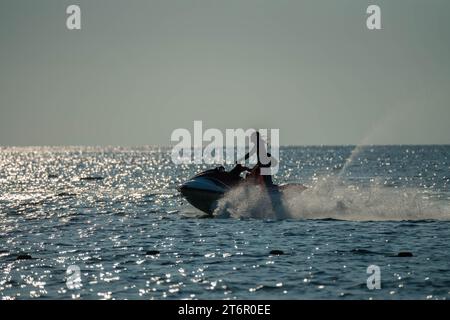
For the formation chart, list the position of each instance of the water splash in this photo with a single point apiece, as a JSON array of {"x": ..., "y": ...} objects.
[{"x": 330, "y": 198}]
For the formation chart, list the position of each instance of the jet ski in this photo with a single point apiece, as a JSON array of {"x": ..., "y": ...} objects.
[{"x": 204, "y": 190}]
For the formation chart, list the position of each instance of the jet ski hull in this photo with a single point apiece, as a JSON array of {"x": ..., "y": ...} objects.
[{"x": 203, "y": 193}]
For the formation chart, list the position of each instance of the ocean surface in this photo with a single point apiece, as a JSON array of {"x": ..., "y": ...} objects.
[{"x": 108, "y": 223}]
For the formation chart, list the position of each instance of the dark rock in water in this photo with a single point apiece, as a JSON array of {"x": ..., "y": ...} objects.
[
  {"x": 361, "y": 251},
  {"x": 65, "y": 194},
  {"x": 405, "y": 254},
  {"x": 52, "y": 176},
  {"x": 152, "y": 253},
  {"x": 24, "y": 257},
  {"x": 276, "y": 252},
  {"x": 91, "y": 178}
]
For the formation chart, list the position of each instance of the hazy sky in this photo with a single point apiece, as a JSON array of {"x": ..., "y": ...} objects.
[{"x": 140, "y": 69}]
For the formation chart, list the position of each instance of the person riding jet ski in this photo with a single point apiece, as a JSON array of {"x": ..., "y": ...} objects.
[
  {"x": 207, "y": 188},
  {"x": 255, "y": 172}
]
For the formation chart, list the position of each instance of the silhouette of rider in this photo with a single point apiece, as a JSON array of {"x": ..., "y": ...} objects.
[{"x": 255, "y": 172}]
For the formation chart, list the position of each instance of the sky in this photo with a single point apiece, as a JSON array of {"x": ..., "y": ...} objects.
[{"x": 137, "y": 70}]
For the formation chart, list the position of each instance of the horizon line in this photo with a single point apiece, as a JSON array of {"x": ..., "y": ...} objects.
[{"x": 171, "y": 146}]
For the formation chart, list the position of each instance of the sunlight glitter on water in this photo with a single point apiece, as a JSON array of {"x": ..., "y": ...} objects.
[{"x": 115, "y": 213}]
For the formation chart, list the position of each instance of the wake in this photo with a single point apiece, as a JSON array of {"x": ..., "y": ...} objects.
[{"x": 331, "y": 199}]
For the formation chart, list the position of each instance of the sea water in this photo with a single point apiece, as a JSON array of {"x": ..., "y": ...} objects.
[{"x": 115, "y": 215}]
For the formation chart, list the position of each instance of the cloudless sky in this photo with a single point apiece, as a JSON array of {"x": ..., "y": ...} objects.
[{"x": 137, "y": 70}]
